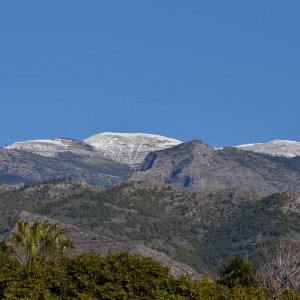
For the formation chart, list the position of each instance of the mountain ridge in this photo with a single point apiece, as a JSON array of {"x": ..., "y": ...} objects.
[
  {"x": 134, "y": 156},
  {"x": 284, "y": 148},
  {"x": 128, "y": 147},
  {"x": 195, "y": 227},
  {"x": 124, "y": 148},
  {"x": 50, "y": 147},
  {"x": 196, "y": 164}
]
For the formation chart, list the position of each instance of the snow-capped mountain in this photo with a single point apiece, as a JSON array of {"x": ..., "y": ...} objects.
[
  {"x": 43, "y": 160},
  {"x": 50, "y": 147},
  {"x": 132, "y": 148},
  {"x": 108, "y": 159},
  {"x": 283, "y": 148},
  {"x": 129, "y": 148},
  {"x": 125, "y": 148}
]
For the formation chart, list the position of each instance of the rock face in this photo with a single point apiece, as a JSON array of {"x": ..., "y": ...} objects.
[
  {"x": 22, "y": 166},
  {"x": 275, "y": 148},
  {"x": 129, "y": 148},
  {"x": 196, "y": 164}
]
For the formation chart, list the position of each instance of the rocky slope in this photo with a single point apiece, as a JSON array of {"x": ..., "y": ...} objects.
[
  {"x": 19, "y": 167},
  {"x": 105, "y": 159},
  {"x": 108, "y": 159},
  {"x": 173, "y": 224},
  {"x": 87, "y": 241},
  {"x": 196, "y": 164},
  {"x": 52, "y": 147}
]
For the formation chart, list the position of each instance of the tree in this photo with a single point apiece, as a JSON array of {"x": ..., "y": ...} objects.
[
  {"x": 40, "y": 240},
  {"x": 280, "y": 267},
  {"x": 9, "y": 268},
  {"x": 120, "y": 276},
  {"x": 237, "y": 272}
]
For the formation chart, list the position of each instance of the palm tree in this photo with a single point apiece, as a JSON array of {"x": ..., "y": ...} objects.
[
  {"x": 41, "y": 240},
  {"x": 237, "y": 272}
]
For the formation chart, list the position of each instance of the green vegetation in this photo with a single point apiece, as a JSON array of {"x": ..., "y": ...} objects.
[
  {"x": 116, "y": 276},
  {"x": 237, "y": 272},
  {"x": 39, "y": 240},
  {"x": 255, "y": 223},
  {"x": 121, "y": 276},
  {"x": 195, "y": 227}
]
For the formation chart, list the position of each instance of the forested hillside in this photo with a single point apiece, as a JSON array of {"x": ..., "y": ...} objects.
[{"x": 201, "y": 229}]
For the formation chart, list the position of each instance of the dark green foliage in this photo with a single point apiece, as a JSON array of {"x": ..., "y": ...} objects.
[
  {"x": 8, "y": 268},
  {"x": 40, "y": 240},
  {"x": 118, "y": 276},
  {"x": 198, "y": 228},
  {"x": 262, "y": 220},
  {"x": 237, "y": 272}
]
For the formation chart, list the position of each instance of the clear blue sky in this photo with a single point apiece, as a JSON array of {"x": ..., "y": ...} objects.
[{"x": 226, "y": 72}]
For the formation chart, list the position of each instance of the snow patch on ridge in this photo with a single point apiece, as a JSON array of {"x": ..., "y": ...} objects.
[
  {"x": 129, "y": 148},
  {"x": 283, "y": 148},
  {"x": 50, "y": 147},
  {"x": 126, "y": 148}
]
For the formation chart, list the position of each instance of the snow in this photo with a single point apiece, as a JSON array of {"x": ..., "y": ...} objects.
[
  {"x": 132, "y": 148},
  {"x": 126, "y": 148},
  {"x": 48, "y": 148},
  {"x": 284, "y": 148},
  {"x": 129, "y": 148}
]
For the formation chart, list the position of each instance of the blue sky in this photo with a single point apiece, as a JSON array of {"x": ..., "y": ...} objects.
[{"x": 226, "y": 72}]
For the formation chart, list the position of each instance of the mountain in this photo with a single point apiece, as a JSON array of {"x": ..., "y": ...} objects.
[
  {"x": 184, "y": 204},
  {"x": 105, "y": 159},
  {"x": 88, "y": 241},
  {"x": 38, "y": 161},
  {"x": 108, "y": 159},
  {"x": 197, "y": 228},
  {"x": 129, "y": 148},
  {"x": 52, "y": 147},
  {"x": 124, "y": 148},
  {"x": 283, "y": 148},
  {"x": 196, "y": 164}
]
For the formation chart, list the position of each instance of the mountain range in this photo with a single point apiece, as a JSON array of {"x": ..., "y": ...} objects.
[
  {"x": 187, "y": 204},
  {"x": 185, "y": 228},
  {"x": 108, "y": 159}
]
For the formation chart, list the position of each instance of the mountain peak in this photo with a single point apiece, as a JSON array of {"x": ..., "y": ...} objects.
[
  {"x": 129, "y": 148},
  {"x": 278, "y": 147},
  {"x": 49, "y": 147},
  {"x": 130, "y": 136}
]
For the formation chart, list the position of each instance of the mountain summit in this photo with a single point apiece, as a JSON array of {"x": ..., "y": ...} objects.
[
  {"x": 198, "y": 165},
  {"x": 51, "y": 147},
  {"x": 283, "y": 148},
  {"x": 129, "y": 148},
  {"x": 124, "y": 148}
]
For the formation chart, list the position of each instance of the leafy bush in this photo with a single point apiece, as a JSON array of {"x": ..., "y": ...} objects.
[{"x": 116, "y": 276}]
